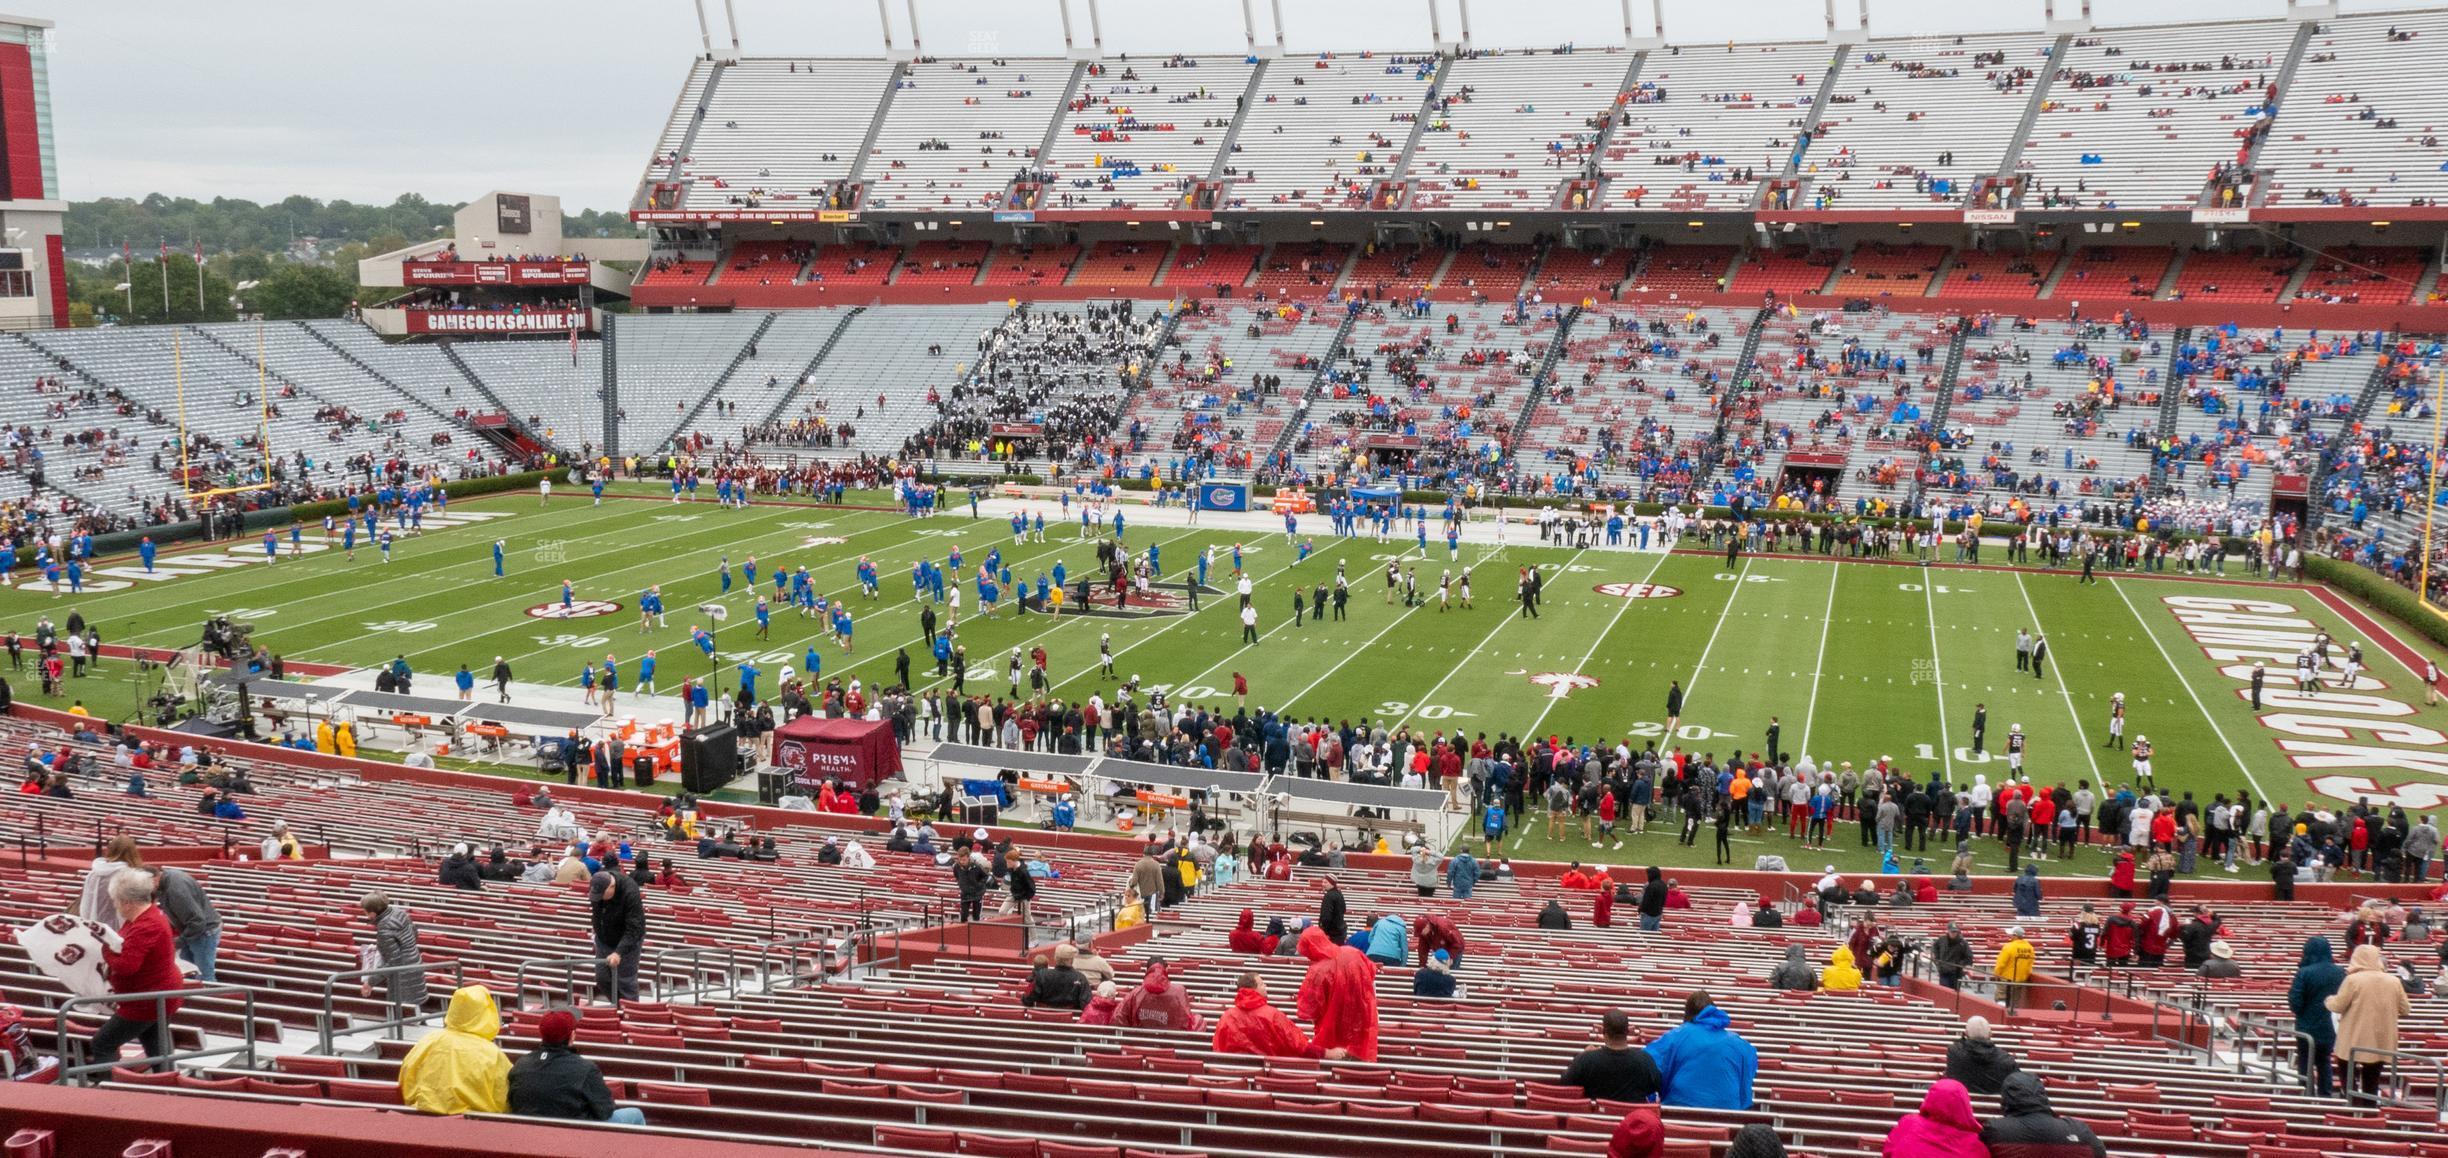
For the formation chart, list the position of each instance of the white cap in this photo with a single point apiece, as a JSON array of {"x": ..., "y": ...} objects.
[{"x": 978, "y": 835}]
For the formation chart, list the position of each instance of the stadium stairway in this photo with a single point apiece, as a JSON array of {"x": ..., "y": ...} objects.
[
  {"x": 2375, "y": 387},
  {"x": 875, "y": 125},
  {"x": 1241, "y": 111},
  {"x": 688, "y": 421},
  {"x": 1290, "y": 435},
  {"x": 483, "y": 391},
  {"x": 2284, "y": 85},
  {"x": 2011, "y": 163},
  {"x": 782, "y": 406},
  {"x": 2171, "y": 395}
]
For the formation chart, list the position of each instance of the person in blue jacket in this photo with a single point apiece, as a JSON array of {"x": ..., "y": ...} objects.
[
  {"x": 1065, "y": 814},
  {"x": 1492, "y": 825},
  {"x": 1702, "y": 1063},
  {"x": 2316, "y": 980},
  {"x": 1462, "y": 874},
  {"x": 1389, "y": 942},
  {"x": 2027, "y": 892}
]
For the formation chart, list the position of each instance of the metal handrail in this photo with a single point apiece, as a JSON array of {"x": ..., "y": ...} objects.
[
  {"x": 2271, "y": 1038},
  {"x": 693, "y": 975},
  {"x": 569, "y": 974},
  {"x": 327, "y": 1017},
  {"x": 161, "y": 1016},
  {"x": 2395, "y": 1061}
]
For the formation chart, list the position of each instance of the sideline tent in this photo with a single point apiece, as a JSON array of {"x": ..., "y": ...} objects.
[{"x": 812, "y": 750}]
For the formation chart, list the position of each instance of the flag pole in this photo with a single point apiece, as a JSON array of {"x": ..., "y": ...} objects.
[
  {"x": 199, "y": 258},
  {"x": 127, "y": 269},
  {"x": 164, "y": 262}
]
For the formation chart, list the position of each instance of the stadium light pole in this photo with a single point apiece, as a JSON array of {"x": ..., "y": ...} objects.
[
  {"x": 1436, "y": 25},
  {"x": 1249, "y": 25},
  {"x": 731, "y": 21},
  {"x": 705, "y": 35},
  {"x": 1096, "y": 28},
  {"x": 884, "y": 21},
  {"x": 917, "y": 46},
  {"x": 1466, "y": 36},
  {"x": 1063, "y": 7},
  {"x": 1277, "y": 7}
]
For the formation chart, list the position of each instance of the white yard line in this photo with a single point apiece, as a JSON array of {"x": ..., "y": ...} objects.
[
  {"x": 1946, "y": 745},
  {"x": 1810, "y": 712},
  {"x": 1465, "y": 661},
  {"x": 2170, "y": 660},
  {"x": 2071, "y": 714},
  {"x": 1723, "y": 613},
  {"x": 1600, "y": 640}
]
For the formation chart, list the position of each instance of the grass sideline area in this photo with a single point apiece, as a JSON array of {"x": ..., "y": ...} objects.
[{"x": 1849, "y": 660}]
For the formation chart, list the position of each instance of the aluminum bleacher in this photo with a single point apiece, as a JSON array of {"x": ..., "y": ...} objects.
[
  {"x": 668, "y": 364},
  {"x": 884, "y": 354},
  {"x": 1914, "y": 123},
  {"x": 1205, "y": 402},
  {"x": 774, "y": 132},
  {"x": 758, "y": 386},
  {"x": 2053, "y": 414},
  {"x": 2138, "y": 116},
  {"x": 960, "y": 130},
  {"x": 1324, "y": 127},
  {"x": 1140, "y": 130},
  {"x": 1512, "y": 126},
  {"x": 557, "y": 390},
  {"x": 2358, "y": 121},
  {"x": 1708, "y": 123}
]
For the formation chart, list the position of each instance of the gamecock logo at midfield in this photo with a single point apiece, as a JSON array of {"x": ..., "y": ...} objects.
[{"x": 1562, "y": 684}]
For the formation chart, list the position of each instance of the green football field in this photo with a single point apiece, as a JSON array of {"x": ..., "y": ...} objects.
[{"x": 1850, "y": 661}]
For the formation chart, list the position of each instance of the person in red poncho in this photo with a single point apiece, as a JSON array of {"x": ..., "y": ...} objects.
[
  {"x": 1252, "y": 1026},
  {"x": 1245, "y": 937},
  {"x": 2117, "y": 935},
  {"x": 2121, "y": 876},
  {"x": 1158, "y": 1003},
  {"x": 1602, "y": 909},
  {"x": 1338, "y": 996}
]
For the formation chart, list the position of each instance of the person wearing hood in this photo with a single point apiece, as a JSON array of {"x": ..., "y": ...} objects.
[
  {"x": 1841, "y": 975},
  {"x": 856, "y": 856},
  {"x": 1951, "y": 956},
  {"x": 1795, "y": 973},
  {"x": 2316, "y": 979},
  {"x": 1338, "y": 996},
  {"x": 1435, "y": 976},
  {"x": 2013, "y": 967},
  {"x": 1389, "y": 942},
  {"x": 2027, "y": 1127},
  {"x": 2367, "y": 1006},
  {"x": 1703, "y": 1063},
  {"x": 555, "y": 1081},
  {"x": 1331, "y": 912},
  {"x": 1944, "y": 1127},
  {"x": 1641, "y": 1134},
  {"x": 459, "y": 1069},
  {"x": 1437, "y": 933},
  {"x": 1100, "y": 1009},
  {"x": 1554, "y": 916},
  {"x": 1653, "y": 901},
  {"x": 1245, "y": 937},
  {"x": 1462, "y": 874},
  {"x": 2117, "y": 935},
  {"x": 2027, "y": 892},
  {"x": 1157, "y": 1003},
  {"x": 1977, "y": 1062},
  {"x": 1757, "y": 1140},
  {"x": 2151, "y": 942},
  {"x": 1252, "y": 1026},
  {"x": 2121, "y": 875}
]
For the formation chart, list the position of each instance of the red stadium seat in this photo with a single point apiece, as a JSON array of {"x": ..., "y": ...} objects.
[
  {"x": 997, "y": 1146},
  {"x": 658, "y": 1093},
  {"x": 1050, "y": 1149},
  {"x": 771, "y": 1064},
  {"x": 143, "y": 1078},
  {"x": 912, "y": 1138},
  {"x": 374, "y": 1093}
]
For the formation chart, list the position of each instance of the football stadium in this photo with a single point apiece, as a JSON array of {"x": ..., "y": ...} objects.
[{"x": 1849, "y": 590}]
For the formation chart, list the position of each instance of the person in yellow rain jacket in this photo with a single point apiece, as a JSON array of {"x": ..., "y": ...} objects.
[
  {"x": 2013, "y": 968},
  {"x": 1841, "y": 973},
  {"x": 324, "y": 738},
  {"x": 346, "y": 737},
  {"x": 460, "y": 1070}
]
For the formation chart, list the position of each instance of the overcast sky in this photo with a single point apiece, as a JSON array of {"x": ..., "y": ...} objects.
[{"x": 449, "y": 98}]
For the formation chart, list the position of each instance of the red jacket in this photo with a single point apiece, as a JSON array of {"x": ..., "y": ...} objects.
[
  {"x": 147, "y": 962},
  {"x": 1252, "y": 1026},
  {"x": 1338, "y": 996},
  {"x": 1158, "y": 1004}
]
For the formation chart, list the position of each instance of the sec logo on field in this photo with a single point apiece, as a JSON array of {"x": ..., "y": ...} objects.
[
  {"x": 1639, "y": 590},
  {"x": 578, "y": 609}
]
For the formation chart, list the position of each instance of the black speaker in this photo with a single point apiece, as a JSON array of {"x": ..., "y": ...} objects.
[{"x": 709, "y": 758}]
